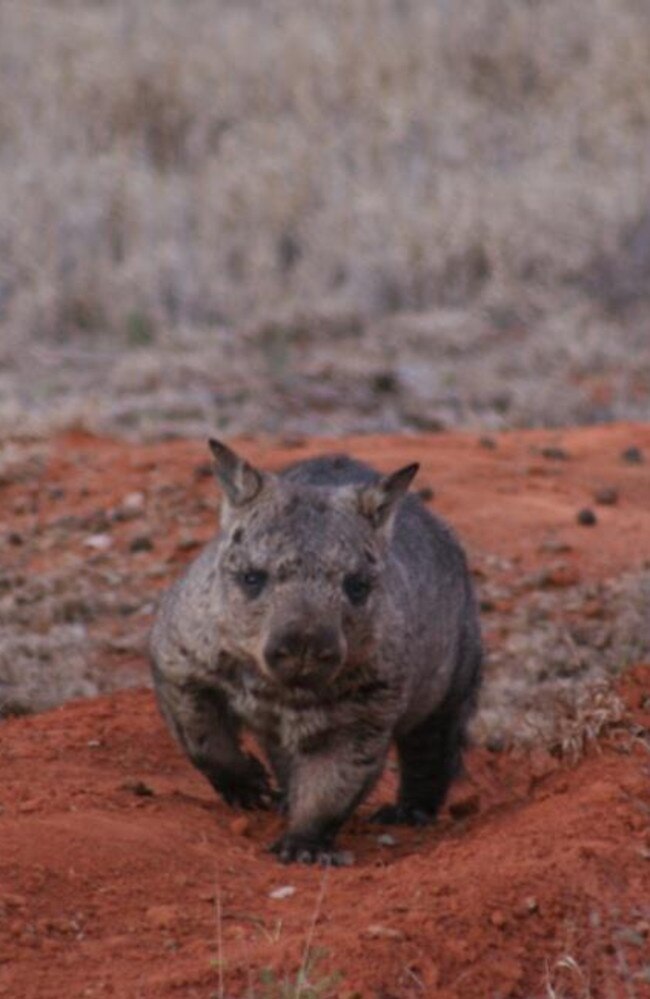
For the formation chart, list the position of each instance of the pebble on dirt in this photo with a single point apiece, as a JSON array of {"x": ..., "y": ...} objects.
[
  {"x": 607, "y": 496},
  {"x": 586, "y": 517}
]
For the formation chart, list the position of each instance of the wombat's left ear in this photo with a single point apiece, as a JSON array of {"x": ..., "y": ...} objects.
[
  {"x": 377, "y": 502},
  {"x": 240, "y": 481}
]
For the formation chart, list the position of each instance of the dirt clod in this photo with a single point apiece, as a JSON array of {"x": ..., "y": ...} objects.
[
  {"x": 606, "y": 496},
  {"x": 586, "y": 517}
]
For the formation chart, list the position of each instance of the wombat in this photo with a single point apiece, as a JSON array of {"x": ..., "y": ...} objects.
[{"x": 332, "y": 615}]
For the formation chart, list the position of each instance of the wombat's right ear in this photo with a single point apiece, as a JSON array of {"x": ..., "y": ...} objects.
[{"x": 240, "y": 481}]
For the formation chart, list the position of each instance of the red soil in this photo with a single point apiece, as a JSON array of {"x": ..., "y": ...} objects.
[{"x": 122, "y": 874}]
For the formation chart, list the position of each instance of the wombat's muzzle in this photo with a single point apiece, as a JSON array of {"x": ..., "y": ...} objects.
[{"x": 303, "y": 654}]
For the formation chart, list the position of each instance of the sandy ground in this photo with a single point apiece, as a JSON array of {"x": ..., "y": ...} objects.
[{"x": 120, "y": 872}]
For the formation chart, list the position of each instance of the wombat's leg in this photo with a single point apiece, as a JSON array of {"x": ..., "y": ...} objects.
[
  {"x": 280, "y": 762},
  {"x": 430, "y": 758},
  {"x": 326, "y": 786},
  {"x": 209, "y": 732}
]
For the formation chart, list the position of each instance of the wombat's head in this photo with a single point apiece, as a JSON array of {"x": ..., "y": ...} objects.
[{"x": 300, "y": 569}]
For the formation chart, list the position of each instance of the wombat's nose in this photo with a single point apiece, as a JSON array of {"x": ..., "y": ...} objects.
[{"x": 298, "y": 649}]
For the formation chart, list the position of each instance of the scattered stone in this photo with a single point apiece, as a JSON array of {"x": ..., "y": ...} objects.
[
  {"x": 187, "y": 544},
  {"x": 98, "y": 542},
  {"x": 134, "y": 501},
  {"x": 284, "y": 891},
  {"x": 498, "y": 919},
  {"x": 11, "y": 901},
  {"x": 385, "y": 382},
  {"x": 586, "y": 517},
  {"x": 607, "y": 496},
  {"x": 528, "y": 906},
  {"x": 131, "y": 507},
  {"x": 555, "y": 546},
  {"x": 138, "y": 787},
  {"x": 31, "y": 805},
  {"x": 554, "y": 453},
  {"x": 632, "y": 456},
  {"x": 14, "y": 538},
  {"x": 378, "y": 932},
  {"x": 385, "y": 839},
  {"x": 204, "y": 471},
  {"x": 465, "y": 806},
  {"x": 562, "y": 575},
  {"x": 426, "y": 494},
  {"x": 141, "y": 543},
  {"x": 489, "y": 443}
]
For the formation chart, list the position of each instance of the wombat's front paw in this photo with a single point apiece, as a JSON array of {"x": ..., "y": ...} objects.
[
  {"x": 248, "y": 790},
  {"x": 401, "y": 815},
  {"x": 299, "y": 849}
]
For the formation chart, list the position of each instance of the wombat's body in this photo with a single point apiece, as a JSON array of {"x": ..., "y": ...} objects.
[{"x": 331, "y": 616}]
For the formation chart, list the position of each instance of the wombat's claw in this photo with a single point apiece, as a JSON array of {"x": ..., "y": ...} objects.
[
  {"x": 249, "y": 791},
  {"x": 289, "y": 852},
  {"x": 401, "y": 815}
]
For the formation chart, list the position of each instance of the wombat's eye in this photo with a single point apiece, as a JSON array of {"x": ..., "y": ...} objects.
[
  {"x": 253, "y": 581},
  {"x": 356, "y": 588}
]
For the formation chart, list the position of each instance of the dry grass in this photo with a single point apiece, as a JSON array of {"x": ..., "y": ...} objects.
[
  {"x": 549, "y": 681},
  {"x": 171, "y": 174}
]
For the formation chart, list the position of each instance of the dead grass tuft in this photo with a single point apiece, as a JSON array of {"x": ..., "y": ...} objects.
[{"x": 199, "y": 167}]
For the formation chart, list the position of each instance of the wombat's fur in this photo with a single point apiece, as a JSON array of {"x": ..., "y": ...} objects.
[{"x": 330, "y": 616}]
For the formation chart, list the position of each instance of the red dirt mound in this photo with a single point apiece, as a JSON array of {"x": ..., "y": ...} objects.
[{"x": 121, "y": 874}]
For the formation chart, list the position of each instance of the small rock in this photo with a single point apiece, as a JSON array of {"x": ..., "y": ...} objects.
[
  {"x": 133, "y": 501},
  {"x": 632, "y": 456},
  {"x": 555, "y": 546},
  {"x": 554, "y": 453},
  {"x": 12, "y": 901},
  {"x": 385, "y": 382},
  {"x": 385, "y": 839},
  {"x": 138, "y": 787},
  {"x": 141, "y": 543},
  {"x": 29, "y": 806},
  {"x": 586, "y": 517},
  {"x": 498, "y": 919},
  {"x": 562, "y": 575},
  {"x": 99, "y": 542},
  {"x": 14, "y": 538},
  {"x": 607, "y": 496},
  {"x": 468, "y": 804},
  {"x": 284, "y": 891},
  {"x": 204, "y": 471},
  {"x": 378, "y": 932},
  {"x": 426, "y": 494},
  {"x": 240, "y": 826},
  {"x": 187, "y": 544},
  {"x": 488, "y": 443}
]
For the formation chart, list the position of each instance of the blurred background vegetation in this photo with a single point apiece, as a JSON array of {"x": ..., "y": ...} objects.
[{"x": 305, "y": 216}]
